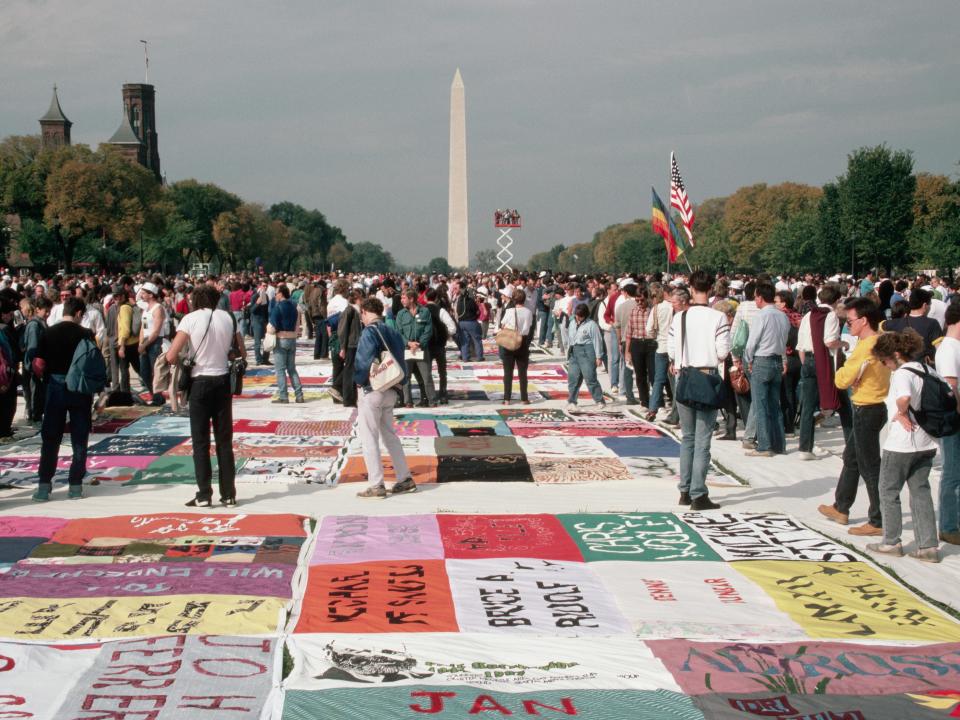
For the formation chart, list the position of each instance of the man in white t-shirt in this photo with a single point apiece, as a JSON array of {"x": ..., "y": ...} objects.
[
  {"x": 208, "y": 334},
  {"x": 699, "y": 337},
  {"x": 948, "y": 366}
]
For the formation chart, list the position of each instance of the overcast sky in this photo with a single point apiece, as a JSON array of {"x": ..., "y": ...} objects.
[{"x": 572, "y": 107}]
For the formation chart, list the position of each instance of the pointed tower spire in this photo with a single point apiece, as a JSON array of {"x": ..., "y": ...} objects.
[
  {"x": 458, "y": 250},
  {"x": 54, "y": 126},
  {"x": 124, "y": 134}
]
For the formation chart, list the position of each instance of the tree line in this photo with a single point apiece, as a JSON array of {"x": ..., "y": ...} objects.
[
  {"x": 879, "y": 214},
  {"x": 77, "y": 205}
]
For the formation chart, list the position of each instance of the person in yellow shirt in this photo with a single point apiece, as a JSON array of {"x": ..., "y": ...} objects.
[
  {"x": 868, "y": 381},
  {"x": 126, "y": 339}
]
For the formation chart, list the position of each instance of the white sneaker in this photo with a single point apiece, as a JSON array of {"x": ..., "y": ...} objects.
[
  {"x": 807, "y": 456},
  {"x": 571, "y": 408}
]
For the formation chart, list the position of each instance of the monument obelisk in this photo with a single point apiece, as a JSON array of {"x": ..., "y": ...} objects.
[{"x": 458, "y": 252}]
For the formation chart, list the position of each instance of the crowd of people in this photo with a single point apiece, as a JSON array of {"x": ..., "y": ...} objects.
[
  {"x": 763, "y": 358},
  {"x": 509, "y": 218}
]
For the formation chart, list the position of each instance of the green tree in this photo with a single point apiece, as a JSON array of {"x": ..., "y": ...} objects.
[
  {"x": 24, "y": 168},
  {"x": 311, "y": 235},
  {"x": 201, "y": 204},
  {"x": 712, "y": 249},
  {"x": 832, "y": 248},
  {"x": 876, "y": 201},
  {"x": 549, "y": 260},
  {"x": 577, "y": 259},
  {"x": 439, "y": 266},
  {"x": 40, "y": 243},
  {"x": 486, "y": 260},
  {"x": 792, "y": 244},
  {"x": 369, "y": 257}
]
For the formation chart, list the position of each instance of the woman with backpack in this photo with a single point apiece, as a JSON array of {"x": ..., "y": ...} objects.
[
  {"x": 908, "y": 451},
  {"x": 516, "y": 317}
]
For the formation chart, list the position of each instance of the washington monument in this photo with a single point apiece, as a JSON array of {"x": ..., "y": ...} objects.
[{"x": 458, "y": 251}]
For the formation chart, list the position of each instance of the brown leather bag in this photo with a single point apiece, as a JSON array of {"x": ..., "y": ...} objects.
[{"x": 739, "y": 381}]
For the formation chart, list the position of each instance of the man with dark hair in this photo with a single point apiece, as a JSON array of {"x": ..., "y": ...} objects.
[
  {"x": 870, "y": 381},
  {"x": 466, "y": 313},
  {"x": 53, "y": 359},
  {"x": 209, "y": 333},
  {"x": 375, "y": 407},
  {"x": 927, "y": 328},
  {"x": 699, "y": 337},
  {"x": 765, "y": 355},
  {"x": 818, "y": 340},
  {"x": 416, "y": 328},
  {"x": 34, "y": 391}
]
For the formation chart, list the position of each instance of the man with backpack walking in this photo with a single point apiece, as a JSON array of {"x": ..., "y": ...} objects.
[{"x": 73, "y": 368}]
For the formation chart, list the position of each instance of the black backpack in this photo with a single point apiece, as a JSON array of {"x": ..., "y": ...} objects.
[
  {"x": 440, "y": 333},
  {"x": 937, "y": 414}
]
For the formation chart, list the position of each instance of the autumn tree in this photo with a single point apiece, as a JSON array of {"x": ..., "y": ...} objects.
[
  {"x": 247, "y": 233},
  {"x": 935, "y": 234},
  {"x": 105, "y": 196},
  {"x": 752, "y": 212}
]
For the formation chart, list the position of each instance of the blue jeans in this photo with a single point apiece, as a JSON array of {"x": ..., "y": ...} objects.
[
  {"x": 61, "y": 403},
  {"x": 809, "y": 400},
  {"x": 765, "y": 385},
  {"x": 285, "y": 361},
  {"x": 613, "y": 357},
  {"x": 241, "y": 322},
  {"x": 950, "y": 484},
  {"x": 147, "y": 362},
  {"x": 258, "y": 327},
  {"x": 583, "y": 368},
  {"x": 696, "y": 427},
  {"x": 470, "y": 339},
  {"x": 661, "y": 361},
  {"x": 545, "y": 324}
]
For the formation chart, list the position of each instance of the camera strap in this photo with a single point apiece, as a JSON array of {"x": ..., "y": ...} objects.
[{"x": 196, "y": 352}]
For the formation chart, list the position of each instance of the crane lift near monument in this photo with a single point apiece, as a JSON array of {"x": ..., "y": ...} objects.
[{"x": 506, "y": 221}]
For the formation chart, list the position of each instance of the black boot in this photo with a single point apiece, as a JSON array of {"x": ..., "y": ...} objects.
[
  {"x": 703, "y": 503},
  {"x": 684, "y": 499}
]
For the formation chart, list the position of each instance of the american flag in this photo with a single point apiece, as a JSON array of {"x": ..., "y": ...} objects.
[{"x": 679, "y": 199}]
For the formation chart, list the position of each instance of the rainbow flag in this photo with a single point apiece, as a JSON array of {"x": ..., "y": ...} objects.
[{"x": 664, "y": 226}]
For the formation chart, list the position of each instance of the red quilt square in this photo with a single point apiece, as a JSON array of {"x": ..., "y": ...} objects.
[
  {"x": 378, "y": 597},
  {"x": 518, "y": 536}
]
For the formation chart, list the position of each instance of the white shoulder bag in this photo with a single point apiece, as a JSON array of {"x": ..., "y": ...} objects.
[{"x": 385, "y": 372}]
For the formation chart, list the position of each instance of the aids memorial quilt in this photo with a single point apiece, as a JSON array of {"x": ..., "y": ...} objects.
[
  {"x": 145, "y": 575},
  {"x": 609, "y": 616}
]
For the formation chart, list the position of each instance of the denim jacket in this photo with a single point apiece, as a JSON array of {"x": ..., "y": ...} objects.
[{"x": 370, "y": 347}]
